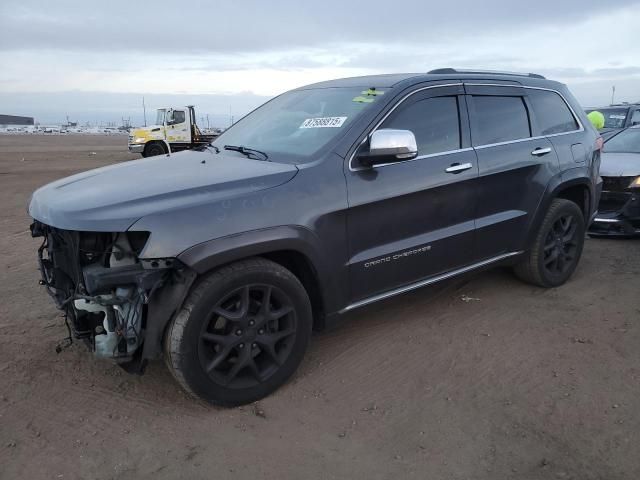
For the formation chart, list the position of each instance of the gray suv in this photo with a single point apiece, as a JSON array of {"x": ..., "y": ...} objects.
[{"x": 325, "y": 199}]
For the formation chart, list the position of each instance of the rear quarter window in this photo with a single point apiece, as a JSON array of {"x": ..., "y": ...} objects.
[
  {"x": 499, "y": 119},
  {"x": 552, "y": 113}
]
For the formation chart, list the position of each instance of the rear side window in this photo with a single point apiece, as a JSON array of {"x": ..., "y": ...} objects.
[
  {"x": 434, "y": 122},
  {"x": 552, "y": 113},
  {"x": 499, "y": 119}
]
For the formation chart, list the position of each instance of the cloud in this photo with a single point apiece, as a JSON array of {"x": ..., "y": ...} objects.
[
  {"x": 254, "y": 25},
  {"x": 226, "y": 48}
]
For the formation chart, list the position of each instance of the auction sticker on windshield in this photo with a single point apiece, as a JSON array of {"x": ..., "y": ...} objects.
[{"x": 323, "y": 122}]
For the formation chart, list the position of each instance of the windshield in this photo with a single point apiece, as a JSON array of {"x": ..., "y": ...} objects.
[
  {"x": 613, "y": 117},
  {"x": 301, "y": 122},
  {"x": 160, "y": 116},
  {"x": 627, "y": 141}
]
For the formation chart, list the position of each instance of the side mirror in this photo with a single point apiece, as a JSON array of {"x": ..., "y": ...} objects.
[
  {"x": 389, "y": 145},
  {"x": 169, "y": 118}
]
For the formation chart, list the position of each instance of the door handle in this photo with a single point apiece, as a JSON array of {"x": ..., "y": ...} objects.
[
  {"x": 458, "y": 167},
  {"x": 541, "y": 151}
]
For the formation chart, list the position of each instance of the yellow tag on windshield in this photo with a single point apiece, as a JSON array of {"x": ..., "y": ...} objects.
[
  {"x": 373, "y": 91},
  {"x": 363, "y": 100}
]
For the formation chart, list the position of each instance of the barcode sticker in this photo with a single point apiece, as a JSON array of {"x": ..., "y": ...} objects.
[{"x": 323, "y": 122}]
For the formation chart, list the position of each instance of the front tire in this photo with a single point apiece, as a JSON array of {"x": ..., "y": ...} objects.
[
  {"x": 153, "y": 150},
  {"x": 557, "y": 247},
  {"x": 240, "y": 334}
]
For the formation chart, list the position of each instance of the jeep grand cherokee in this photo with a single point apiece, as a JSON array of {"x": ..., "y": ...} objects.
[{"x": 325, "y": 199}]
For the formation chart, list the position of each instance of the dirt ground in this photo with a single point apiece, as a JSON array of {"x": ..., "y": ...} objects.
[{"x": 487, "y": 378}]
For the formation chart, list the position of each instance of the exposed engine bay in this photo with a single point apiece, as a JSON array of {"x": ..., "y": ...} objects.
[{"x": 98, "y": 280}]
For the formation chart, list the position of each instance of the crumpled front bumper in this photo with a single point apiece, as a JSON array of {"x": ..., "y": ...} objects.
[{"x": 618, "y": 214}]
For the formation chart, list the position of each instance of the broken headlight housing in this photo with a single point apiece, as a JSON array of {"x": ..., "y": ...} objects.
[{"x": 100, "y": 283}]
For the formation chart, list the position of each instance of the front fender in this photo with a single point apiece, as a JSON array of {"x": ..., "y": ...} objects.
[{"x": 209, "y": 255}]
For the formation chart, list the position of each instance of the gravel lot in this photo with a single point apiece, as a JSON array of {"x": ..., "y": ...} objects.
[{"x": 485, "y": 378}]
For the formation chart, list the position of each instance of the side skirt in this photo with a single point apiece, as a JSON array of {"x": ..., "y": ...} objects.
[{"x": 428, "y": 281}]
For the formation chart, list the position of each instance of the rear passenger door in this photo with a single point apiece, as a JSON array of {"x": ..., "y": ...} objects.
[
  {"x": 553, "y": 119},
  {"x": 514, "y": 168}
]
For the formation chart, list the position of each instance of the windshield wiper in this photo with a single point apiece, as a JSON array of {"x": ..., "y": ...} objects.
[{"x": 249, "y": 152}]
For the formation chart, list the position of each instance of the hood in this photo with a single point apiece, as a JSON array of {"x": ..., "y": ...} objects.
[
  {"x": 619, "y": 164},
  {"x": 111, "y": 199}
]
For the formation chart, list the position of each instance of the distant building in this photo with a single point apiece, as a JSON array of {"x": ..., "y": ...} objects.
[{"x": 15, "y": 120}]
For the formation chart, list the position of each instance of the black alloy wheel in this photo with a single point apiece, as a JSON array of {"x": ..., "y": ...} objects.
[
  {"x": 241, "y": 332},
  {"x": 556, "y": 248},
  {"x": 248, "y": 336},
  {"x": 561, "y": 245}
]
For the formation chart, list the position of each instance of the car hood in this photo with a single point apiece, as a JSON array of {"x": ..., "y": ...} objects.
[
  {"x": 111, "y": 199},
  {"x": 619, "y": 164}
]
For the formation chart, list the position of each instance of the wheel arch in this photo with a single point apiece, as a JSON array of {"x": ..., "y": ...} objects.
[
  {"x": 295, "y": 248},
  {"x": 162, "y": 143},
  {"x": 572, "y": 186}
]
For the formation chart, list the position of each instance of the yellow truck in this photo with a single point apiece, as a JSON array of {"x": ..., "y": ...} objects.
[{"x": 175, "y": 129}]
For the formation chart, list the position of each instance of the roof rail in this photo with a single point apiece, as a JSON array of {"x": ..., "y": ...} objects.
[{"x": 483, "y": 72}]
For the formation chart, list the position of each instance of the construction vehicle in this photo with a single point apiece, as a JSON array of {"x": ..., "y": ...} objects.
[{"x": 175, "y": 129}]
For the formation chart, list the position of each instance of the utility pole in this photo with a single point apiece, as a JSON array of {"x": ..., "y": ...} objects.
[
  {"x": 144, "y": 112},
  {"x": 613, "y": 93},
  {"x": 208, "y": 126}
]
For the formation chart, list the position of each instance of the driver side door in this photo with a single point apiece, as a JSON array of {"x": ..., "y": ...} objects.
[
  {"x": 414, "y": 219},
  {"x": 177, "y": 126}
]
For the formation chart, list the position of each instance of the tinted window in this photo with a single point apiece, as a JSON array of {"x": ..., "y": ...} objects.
[
  {"x": 552, "y": 113},
  {"x": 635, "y": 117},
  {"x": 434, "y": 122},
  {"x": 627, "y": 141},
  {"x": 613, "y": 117},
  {"x": 499, "y": 119}
]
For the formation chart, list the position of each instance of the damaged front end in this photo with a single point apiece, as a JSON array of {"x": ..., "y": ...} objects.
[
  {"x": 107, "y": 291},
  {"x": 619, "y": 208}
]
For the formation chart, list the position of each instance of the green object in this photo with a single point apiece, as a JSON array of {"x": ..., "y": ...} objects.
[
  {"x": 597, "y": 119},
  {"x": 363, "y": 100},
  {"x": 372, "y": 91}
]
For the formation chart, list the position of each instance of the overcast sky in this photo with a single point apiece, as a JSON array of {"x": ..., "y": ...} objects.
[{"x": 95, "y": 60}]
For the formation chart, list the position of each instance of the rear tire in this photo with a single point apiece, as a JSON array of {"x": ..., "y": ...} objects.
[
  {"x": 241, "y": 333},
  {"x": 557, "y": 247},
  {"x": 153, "y": 150}
]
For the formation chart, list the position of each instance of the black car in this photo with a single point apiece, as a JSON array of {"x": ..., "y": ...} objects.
[
  {"x": 619, "y": 208},
  {"x": 617, "y": 117},
  {"x": 325, "y": 199}
]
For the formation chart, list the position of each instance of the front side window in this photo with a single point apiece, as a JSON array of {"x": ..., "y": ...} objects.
[
  {"x": 178, "y": 117},
  {"x": 434, "y": 122},
  {"x": 299, "y": 123},
  {"x": 552, "y": 113},
  {"x": 499, "y": 119},
  {"x": 627, "y": 141}
]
